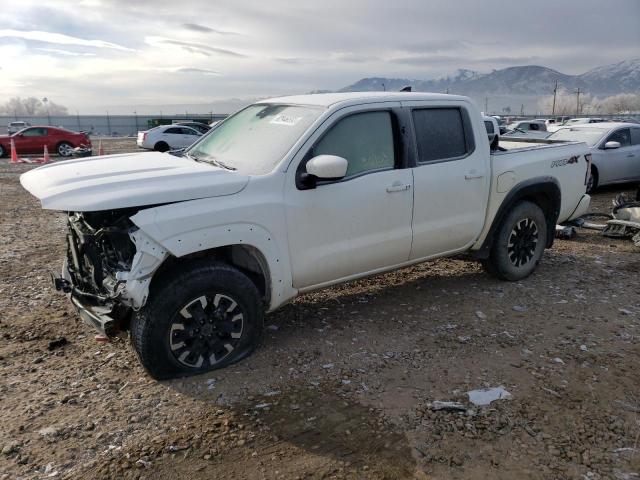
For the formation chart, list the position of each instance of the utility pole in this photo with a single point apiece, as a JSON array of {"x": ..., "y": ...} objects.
[
  {"x": 522, "y": 110},
  {"x": 78, "y": 119},
  {"x": 135, "y": 113},
  {"x": 555, "y": 92},
  {"x": 578, "y": 92},
  {"x": 486, "y": 105},
  {"x": 108, "y": 123},
  {"x": 384, "y": 89}
]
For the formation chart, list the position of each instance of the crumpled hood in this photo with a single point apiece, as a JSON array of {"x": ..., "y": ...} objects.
[{"x": 127, "y": 180}]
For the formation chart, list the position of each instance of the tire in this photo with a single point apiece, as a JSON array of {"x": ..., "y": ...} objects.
[
  {"x": 519, "y": 243},
  {"x": 1, "y": 151},
  {"x": 64, "y": 149},
  {"x": 190, "y": 324},
  {"x": 161, "y": 147},
  {"x": 592, "y": 183}
]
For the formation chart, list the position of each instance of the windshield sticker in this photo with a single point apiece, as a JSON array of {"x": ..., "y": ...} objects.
[{"x": 285, "y": 120}]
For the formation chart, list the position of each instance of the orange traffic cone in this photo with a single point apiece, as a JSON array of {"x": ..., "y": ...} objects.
[
  {"x": 14, "y": 154},
  {"x": 100, "y": 149},
  {"x": 45, "y": 156}
]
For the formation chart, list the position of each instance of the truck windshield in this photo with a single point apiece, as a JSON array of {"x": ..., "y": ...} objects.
[
  {"x": 590, "y": 136},
  {"x": 254, "y": 140}
]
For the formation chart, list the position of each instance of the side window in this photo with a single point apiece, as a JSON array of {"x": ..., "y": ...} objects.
[
  {"x": 534, "y": 126},
  {"x": 173, "y": 130},
  {"x": 635, "y": 136},
  {"x": 489, "y": 126},
  {"x": 188, "y": 131},
  {"x": 35, "y": 132},
  {"x": 440, "y": 134},
  {"x": 364, "y": 139},
  {"x": 623, "y": 136}
]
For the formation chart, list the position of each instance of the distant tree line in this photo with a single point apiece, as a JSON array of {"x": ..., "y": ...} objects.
[
  {"x": 567, "y": 104},
  {"x": 32, "y": 106}
]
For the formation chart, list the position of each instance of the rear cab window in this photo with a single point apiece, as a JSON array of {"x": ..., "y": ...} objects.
[{"x": 442, "y": 134}]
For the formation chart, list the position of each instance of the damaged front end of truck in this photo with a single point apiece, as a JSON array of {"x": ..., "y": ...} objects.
[{"x": 108, "y": 267}]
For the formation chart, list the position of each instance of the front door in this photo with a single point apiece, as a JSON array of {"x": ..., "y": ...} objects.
[
  {"x": 451, "y": 177},
  {"x": 358, "y": 224},
  {"x": 31, "y": 140}
]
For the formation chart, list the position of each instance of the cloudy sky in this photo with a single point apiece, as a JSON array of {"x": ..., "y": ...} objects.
[{"x": 92, "y": 54}]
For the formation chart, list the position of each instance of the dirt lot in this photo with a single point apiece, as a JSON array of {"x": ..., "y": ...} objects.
[{"x": 343, "y": 384}]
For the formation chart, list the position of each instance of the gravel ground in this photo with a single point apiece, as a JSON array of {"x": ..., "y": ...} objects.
[{"x": 347, "y": 380}]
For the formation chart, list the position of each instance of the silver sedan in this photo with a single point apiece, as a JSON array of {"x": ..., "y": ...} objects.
[{"x": 615, "y": 151}]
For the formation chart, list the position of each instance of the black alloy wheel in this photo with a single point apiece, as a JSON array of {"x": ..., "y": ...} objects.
[{"x": 206, "y": 330}]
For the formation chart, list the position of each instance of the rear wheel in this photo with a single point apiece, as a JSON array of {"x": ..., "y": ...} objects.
[
  {"x": 519, "y": 243},
  {"x": 64, "y": 149},
  {"x": 1, "y": 151},
  {"x": 202, "y": 318},
  {"x": 161, "y": 147}
]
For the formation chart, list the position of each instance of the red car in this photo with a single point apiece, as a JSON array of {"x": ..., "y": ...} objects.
[{"x": 33, "y": 140}]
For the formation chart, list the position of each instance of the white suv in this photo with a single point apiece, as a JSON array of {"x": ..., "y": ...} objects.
[
  {"x": 14, "y": 127},
  {"x": 167, "y": 137}
]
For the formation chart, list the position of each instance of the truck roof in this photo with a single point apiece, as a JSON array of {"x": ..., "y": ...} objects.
[{"x": 352, "y": 98}]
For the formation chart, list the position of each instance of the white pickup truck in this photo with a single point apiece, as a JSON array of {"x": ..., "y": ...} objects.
[{"x": 290, "y": 195}]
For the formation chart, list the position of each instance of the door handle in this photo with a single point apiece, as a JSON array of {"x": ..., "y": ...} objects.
[
  {"x": 398, "y": 187},
  {"x": 630, "y": 155},
  {"x": 472, "y": 176}
]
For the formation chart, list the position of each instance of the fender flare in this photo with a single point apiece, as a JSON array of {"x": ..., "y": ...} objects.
[
  {"x": 248, "y": 234},
  {"x": 544, "y": 191}
]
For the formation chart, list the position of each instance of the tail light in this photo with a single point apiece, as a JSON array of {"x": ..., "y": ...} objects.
[
  {"x": 144, "y": 136},
  {"x": 587, "y": 157}
]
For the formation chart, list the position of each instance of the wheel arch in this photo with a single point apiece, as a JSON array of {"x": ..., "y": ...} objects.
[
  {"x": 248, "y": 247},
  {"x": 543, "y": 191}
]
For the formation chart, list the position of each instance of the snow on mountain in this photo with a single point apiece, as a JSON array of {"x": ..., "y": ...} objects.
[{"x": 622, "y": 77}]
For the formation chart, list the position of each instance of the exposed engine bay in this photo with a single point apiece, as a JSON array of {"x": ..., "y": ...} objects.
[{"x": 109, "y": 264}]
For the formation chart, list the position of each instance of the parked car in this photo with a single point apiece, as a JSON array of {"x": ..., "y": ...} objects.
[
  {"x": 33, "y": 140},
  {"x": 572, "y": 122},
  {"x": 201, "y": 127},
  {"x": 527, "y": 129},
  {"x": 615, "y": 151},
  {"x": 291, "y": 195},
  {"x": 167, "y": 137},
  {"x": 16, "y": 126}
]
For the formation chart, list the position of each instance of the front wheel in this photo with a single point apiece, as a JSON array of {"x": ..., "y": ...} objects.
[
  {"x": 519, "y": 243},
  {"x": 201, "y": 318}
]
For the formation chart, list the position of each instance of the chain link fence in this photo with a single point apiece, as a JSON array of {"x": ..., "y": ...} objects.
[{"x": 105, "y": 125}]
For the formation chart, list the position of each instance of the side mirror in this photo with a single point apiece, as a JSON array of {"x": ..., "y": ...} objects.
[
  {"x": 327, "y": 167},
  {"x": 611, "y": 145}
]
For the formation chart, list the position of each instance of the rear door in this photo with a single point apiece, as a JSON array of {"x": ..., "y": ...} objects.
[
  {"x": 451, "y": 178},
  {"x": 189, "y": 136},
  {"x": 174, "y": 137}
]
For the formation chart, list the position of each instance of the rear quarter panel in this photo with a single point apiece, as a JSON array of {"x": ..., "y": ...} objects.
[{"x": 566, "y": 163}]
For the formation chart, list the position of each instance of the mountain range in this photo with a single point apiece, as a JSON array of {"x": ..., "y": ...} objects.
[{"x": 529, "y": 80}]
